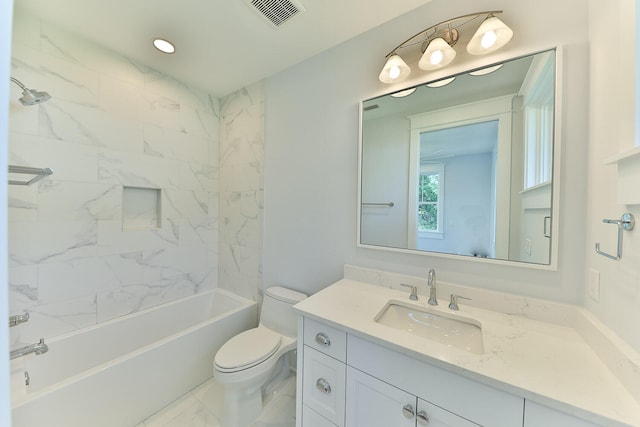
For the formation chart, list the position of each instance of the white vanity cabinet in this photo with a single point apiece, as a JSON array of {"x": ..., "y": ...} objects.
[
  {"x": 536, "y": 415},
  {"x": 323, "y": 363},
  {"x": 446, "y": 398},
  {"x": 350, "y": 381},
  {"x": 370, "y": 385},
  {"x": 374, "y": 403}
]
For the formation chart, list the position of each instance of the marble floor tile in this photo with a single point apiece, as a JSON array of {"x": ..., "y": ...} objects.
[{"x": 202, "y": 406}]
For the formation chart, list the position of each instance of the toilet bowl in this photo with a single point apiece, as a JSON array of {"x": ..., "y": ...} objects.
[{"x": 250, "y": 361}]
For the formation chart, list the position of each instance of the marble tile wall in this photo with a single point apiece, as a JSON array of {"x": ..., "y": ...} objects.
[
  {"x": 111, "y": 123},
  {"x": 242, "y": 191}
]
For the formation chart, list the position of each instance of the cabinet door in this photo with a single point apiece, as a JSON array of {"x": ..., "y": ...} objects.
[
  {"x": 434, "y": 416},
  {"x": 373, "y": 403},
  {"x": 536, "y": 415}
]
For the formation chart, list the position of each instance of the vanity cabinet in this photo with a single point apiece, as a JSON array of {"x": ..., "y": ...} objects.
[
  {"x": 349, "y": 381},
  {"x": 536, "y": 415},
  {"x": 374, "y": 403}
]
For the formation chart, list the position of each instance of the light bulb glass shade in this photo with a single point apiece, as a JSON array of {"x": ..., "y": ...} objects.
[
  {"x": 491, "y": 35},
  {"x": 403, "y": 93},
  {"x": 437, "y": 55},
  {"x": 486, "y": 70},
  {"x": 394, "y": 70},
  {"x": 440, "y": 83}
]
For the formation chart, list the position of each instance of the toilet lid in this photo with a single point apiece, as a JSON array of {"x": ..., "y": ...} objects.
[{"x": 247, "y": 349}]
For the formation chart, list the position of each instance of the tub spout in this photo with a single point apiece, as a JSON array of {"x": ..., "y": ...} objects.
[{"x": 38, "y": 348}]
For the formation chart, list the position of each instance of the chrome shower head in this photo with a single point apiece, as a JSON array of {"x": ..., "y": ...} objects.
[{"x": 31, "y": 96}]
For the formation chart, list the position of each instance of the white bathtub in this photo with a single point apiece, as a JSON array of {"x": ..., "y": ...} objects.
[{"x": 118, "y": 373}]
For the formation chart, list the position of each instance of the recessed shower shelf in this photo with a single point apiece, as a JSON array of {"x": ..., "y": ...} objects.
[{"x": 38, "y": 172}]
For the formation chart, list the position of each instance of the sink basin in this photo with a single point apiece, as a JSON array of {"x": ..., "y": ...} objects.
[{"x": 451, "y": 330}]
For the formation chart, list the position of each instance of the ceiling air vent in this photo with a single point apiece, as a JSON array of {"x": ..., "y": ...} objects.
[{"x": 277, "y": 11}]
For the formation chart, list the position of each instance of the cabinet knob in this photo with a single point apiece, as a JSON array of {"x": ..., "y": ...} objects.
[
  {"x": 323, "y": 339},
  {"x": 423, "y": 418},
  {"x": 408, "y": 411},
  {"x": 323, "y": 385}
]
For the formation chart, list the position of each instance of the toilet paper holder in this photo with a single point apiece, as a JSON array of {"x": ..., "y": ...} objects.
[{"x": 627, "y": 222}]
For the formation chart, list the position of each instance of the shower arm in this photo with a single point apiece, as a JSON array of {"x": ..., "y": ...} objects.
[{"x": 16, "y": 81}]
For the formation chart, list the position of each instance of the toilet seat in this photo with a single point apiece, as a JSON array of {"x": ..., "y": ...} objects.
[{"x": 247, "y": 349}]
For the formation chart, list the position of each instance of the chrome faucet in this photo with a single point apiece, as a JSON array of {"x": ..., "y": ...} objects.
[
  {"x": 432, "y": 287},
  {"x": 38, "y": 348}
]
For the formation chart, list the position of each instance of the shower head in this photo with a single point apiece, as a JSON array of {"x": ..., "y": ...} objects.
[{"x": 31, "y": 96}]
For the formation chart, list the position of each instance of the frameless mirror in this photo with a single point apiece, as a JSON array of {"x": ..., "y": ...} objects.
[{"x": 463, "y": 166}]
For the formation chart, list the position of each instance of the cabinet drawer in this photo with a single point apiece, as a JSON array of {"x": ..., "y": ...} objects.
[
  {"x": 323, "y": 385},
  {"x": 311, "y": 418},
  {"x": 324, "y": 338}
]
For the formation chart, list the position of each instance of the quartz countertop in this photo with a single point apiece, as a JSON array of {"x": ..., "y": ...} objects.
[{"x": 542, "y": 362}]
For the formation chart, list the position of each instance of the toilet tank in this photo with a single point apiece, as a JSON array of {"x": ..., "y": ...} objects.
[{"x": 277, "y": 310}]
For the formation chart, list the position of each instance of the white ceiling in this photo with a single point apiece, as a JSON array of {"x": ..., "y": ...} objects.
[{"x": 221, "y": 45}]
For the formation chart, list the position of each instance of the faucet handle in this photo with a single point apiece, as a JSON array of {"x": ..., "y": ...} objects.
[
  {"x": 414, "y": 291},
  {"x": 453, "y": 302}
]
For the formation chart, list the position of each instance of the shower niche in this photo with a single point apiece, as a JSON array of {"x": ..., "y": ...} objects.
[{"x": 141, "y": 208}]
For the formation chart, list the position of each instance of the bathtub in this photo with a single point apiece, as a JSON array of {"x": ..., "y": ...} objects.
[{"x": 117, "y": 373}]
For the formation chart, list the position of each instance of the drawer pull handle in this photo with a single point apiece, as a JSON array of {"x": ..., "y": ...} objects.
[
  {"x": 423, "y": 418},
  {"x": 323, "y": 385},
  {"x": 408, "y": 412},
  {"x": 323, "y": 339}
]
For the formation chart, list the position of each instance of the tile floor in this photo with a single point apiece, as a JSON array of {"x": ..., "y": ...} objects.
[{"x": 201, "y": 407}]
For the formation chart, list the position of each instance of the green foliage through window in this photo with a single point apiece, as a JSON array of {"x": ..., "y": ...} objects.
[{"x": 428, "y": 190}]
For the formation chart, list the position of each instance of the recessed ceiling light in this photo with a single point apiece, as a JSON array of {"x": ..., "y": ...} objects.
[{"x": 163, "y": 45}]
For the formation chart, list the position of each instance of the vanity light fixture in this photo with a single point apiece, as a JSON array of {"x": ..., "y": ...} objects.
[
  {"x": 164, "y": 46},
  {"x": 442, "y": 82},
  {"x": 403, "y": 93},
  {"x": 486, "y": 70},
  {"x": 436, "y": 44}
]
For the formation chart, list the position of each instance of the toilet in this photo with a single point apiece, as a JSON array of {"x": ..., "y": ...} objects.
[{"x": 256, "y": 359}]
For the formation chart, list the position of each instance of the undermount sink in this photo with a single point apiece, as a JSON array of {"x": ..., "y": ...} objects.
[{"x": 451, "y": 330}]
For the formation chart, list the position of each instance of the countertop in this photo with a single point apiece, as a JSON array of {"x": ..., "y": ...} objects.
[{"x": 543, "y": 362}]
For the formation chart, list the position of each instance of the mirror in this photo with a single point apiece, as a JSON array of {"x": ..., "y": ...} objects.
[{"x": 464, "y": 165}]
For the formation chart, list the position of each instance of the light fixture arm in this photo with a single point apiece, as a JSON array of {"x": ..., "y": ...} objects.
[{"x": 469, "y": 17}]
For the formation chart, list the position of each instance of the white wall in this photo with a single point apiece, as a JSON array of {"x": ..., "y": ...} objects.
[
  {"x": 111, "y": 123},
  {"x": 311, "y": 153},
  {"x": 611, "y": 119},
  {"x": 385, "y": 178},
  {"x": 6, "y": 14}
]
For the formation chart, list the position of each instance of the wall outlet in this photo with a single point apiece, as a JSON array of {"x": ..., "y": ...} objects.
[
  {"x": 594, "y": 285},
  {"x": 527, "y": 246}
]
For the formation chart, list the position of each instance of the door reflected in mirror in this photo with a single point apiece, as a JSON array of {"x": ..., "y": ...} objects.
[{"x": 465, "y": 168}]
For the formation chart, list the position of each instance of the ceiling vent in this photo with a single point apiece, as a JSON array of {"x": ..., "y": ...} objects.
[{"x": 277, "y": 11}]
